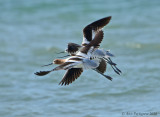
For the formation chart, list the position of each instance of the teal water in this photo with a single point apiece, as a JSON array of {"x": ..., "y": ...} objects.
[{"x": 32, "y": 31}]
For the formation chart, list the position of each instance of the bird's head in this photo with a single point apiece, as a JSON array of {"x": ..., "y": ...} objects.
[{"x": 58, "y": 61}]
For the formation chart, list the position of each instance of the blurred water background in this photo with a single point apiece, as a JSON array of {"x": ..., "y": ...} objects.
[{"x": 32, "y": 31}]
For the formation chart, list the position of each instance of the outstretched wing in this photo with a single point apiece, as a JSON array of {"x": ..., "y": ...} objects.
[
  {"x": 94, "y": 43},
  {"x": 102, "y": 66},
  {"x": 71, "y": 75},
  {"x": 73, "y": 48},
  {"x": 94, "y": 27}
]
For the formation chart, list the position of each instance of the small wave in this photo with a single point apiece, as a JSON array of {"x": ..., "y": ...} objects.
[
  {"x": 131, "y": 92},
  {"x": 134, "y": 45}
]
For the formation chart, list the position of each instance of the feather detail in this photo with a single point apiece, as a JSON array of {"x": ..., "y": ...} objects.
[{"x": 71, "y": 75}]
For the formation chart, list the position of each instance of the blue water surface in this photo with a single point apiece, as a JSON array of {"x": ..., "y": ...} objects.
[{"x": 32, "y": 31}]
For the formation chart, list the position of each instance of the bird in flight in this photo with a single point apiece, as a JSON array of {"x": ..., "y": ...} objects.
[{"x": 85, "y": 56}]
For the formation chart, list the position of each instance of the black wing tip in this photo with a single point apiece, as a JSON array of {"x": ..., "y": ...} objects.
[
  {"x": 109, "y": 17},
  {"x": 70, "y": 76},
  {"x": 63, "y": 84},
  {"x": 41, "y": 73},
  {"x": 38, "y": 73}
]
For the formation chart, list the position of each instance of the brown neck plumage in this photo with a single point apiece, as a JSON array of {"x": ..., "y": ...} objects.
[{"x": 59, "y": 61}]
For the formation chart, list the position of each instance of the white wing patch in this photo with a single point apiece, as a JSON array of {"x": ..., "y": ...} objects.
[
  {"x": 85, "y": 41},
  {"x": 90, "y": 64}
]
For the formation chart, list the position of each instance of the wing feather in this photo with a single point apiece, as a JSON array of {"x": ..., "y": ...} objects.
[
  {"x": 95, "y": 27},
  {"x": 71, "y": 75},
  {"x": 102, "y": 66},
  {"x": 95, "y": 42}
]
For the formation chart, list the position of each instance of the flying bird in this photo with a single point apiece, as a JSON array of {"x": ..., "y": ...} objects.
[
  {"x": 88, "y": 34},
  {"x": 76, "y": 64},
  {"x": 88, "y": 55}
]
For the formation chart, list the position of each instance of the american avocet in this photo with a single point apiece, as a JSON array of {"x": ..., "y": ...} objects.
[
  {"x": 75, "y": 64},
  {"x": 88, "y": 33}
]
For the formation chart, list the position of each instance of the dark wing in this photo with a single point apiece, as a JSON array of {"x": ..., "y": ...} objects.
[
  {"x": 71, "y": 75},
  {"x": 97, "y": 39},
  {"x": 95, "y": 42},
  {"x": 95, "y": 26},
  {"x": 102, "y": 66},
  {"x": 73, "y": 48}
]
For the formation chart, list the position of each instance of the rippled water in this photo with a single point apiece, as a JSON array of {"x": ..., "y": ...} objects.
[{"x": 31, "y": 32}]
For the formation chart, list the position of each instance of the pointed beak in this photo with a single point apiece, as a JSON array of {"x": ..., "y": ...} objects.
[
  {"x": 64, "y": 56},
  {"x": 60, "y": 52},
  {"x": 47, "y": 65}
]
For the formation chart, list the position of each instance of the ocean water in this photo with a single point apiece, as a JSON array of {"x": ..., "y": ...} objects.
[{"x": 32, "y": 31}]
